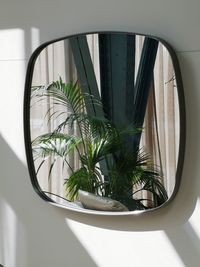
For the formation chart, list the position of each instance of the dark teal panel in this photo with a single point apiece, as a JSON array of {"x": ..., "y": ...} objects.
[
  {"x": 85, "y": 71},
  {"x": 143, "y": 82},
  {"x": 117, "y": 66}
]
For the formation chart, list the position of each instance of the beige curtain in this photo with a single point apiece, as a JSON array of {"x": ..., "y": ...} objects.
[
  {"x": 161, "y": 125},
  {"x": 167, "y": 110},
  {"x": 54, "y": 61}
]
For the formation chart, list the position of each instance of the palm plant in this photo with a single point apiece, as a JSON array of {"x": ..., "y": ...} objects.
[{"x": 98, "y": 143}]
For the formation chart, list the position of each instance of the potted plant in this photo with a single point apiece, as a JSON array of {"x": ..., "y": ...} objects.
[{"x": 98, "y": 143}]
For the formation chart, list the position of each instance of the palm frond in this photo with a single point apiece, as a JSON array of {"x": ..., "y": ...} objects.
[
  {"x": 55, "y": 144},
  {"x": 75, "y": 182}
]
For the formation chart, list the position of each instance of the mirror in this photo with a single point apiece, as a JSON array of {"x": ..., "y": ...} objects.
[{"x": 105, "y": 122}]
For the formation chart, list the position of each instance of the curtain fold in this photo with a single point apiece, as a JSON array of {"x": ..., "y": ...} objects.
[
  {"x": 54, "y": 61},
  {"x": 161, "y": 126}
]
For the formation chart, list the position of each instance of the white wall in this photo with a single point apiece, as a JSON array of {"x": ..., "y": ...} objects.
[{"x": 34, "y": 233}]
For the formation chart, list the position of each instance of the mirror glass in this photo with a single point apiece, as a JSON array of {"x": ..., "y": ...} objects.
[{"x": 104, "y": 122}]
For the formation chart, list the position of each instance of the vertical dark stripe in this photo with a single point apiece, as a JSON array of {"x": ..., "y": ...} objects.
[
  {"x": 85, "y": 70},
  {"x": 117, "y": 66},
  {"x": 143, "y": 82}
]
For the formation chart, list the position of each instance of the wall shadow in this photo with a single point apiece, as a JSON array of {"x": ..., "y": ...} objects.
[
  {"x": 47, "y": 239},
  {"x": 186, "y": 243}
]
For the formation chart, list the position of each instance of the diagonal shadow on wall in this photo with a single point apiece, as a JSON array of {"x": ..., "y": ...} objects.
[
  {"x": 186, "y": 243},
  {"x": 42, "y": 237}
]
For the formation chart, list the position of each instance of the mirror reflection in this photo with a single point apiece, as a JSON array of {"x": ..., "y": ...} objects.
[{"x": 105, "y": 120}]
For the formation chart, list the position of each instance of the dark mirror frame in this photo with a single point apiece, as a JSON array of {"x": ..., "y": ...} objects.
[{"x": 27, "y": 132}]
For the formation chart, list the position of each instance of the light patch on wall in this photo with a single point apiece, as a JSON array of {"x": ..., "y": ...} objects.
[
  {"x": 12, "y": 237},
  {"x": 126, "y": 248},
  {"x": 8, "y": 233},
  {"x": 12, "y": 44},
  {"x": 12, "y": 69},
  {"x": 11, "y": 105},
  {"x": 195, "y": 219},
  {"x": 35, "y": 38}
]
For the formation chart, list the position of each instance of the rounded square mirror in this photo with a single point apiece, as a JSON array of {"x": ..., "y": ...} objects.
[{"x": 104, "y": 122}]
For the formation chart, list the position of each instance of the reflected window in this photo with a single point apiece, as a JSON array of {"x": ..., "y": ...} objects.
[{"x": 125, "y": 84}]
